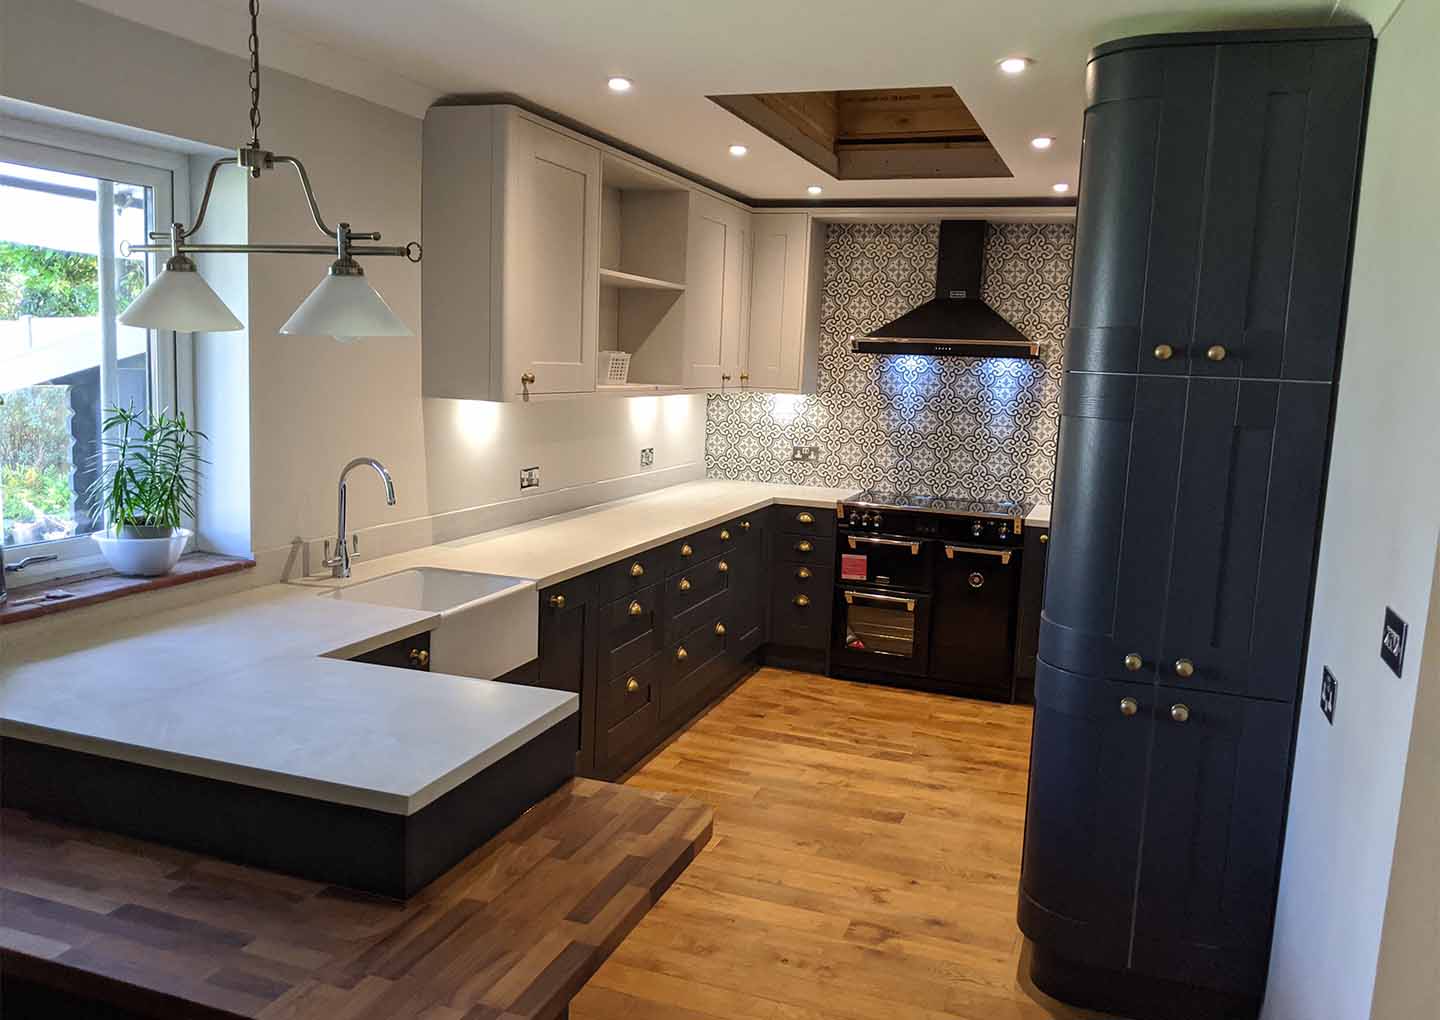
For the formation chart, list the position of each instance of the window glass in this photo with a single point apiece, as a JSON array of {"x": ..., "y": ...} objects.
[{"x": 63, "y": 356}]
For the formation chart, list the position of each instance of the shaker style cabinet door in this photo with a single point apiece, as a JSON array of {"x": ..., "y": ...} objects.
[
  {"x": 1213, "y": 816},
  {"x": 1247, "y": 513},
  {"x": 1082, "y": 825},
  {"x": 777, "y": 299},
  {"x": 551, "y": 237},
  {"x": 716, "y": 261}
]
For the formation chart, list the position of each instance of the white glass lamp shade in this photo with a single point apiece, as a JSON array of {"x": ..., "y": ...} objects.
[
  {"x": 345, "y": 307},
  {"x": 180, "y": 299}
]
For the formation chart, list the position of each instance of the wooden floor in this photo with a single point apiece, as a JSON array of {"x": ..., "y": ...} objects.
[{"x": 864, "y": 863}]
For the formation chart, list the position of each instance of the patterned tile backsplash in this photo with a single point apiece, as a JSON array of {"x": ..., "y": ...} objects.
[{"x": 981, "y": 428}]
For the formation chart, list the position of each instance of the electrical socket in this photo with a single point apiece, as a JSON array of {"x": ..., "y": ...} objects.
[
  {"x": 1328, "y": 685},
  {"x": 804, "y": 453},
  {"x": 647, "y": 456},
  {"x": 529, "y": 478}
]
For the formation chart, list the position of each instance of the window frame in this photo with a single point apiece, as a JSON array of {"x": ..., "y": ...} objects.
[{"x": 171, "y": 377}]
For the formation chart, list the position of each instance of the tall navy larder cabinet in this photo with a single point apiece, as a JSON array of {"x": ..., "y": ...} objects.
[{"x": 1217, "y": 198}]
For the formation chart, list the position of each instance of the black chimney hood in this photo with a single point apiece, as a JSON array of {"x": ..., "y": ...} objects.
[{"x": 955, "y": 322}]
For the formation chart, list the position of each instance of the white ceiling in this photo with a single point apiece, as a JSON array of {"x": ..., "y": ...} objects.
[{"x": 558, "y": 53}]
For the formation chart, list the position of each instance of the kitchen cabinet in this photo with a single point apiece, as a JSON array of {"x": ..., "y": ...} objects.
[
  {"x": 407, "y": 653},
  {"x": 718, "y": 266},
  {"x": 1027, "y": 623},
  {"x": 1216, "y": 208},
  {"x": 782, "y": 348},
  {"x": 569, "y": 626}
]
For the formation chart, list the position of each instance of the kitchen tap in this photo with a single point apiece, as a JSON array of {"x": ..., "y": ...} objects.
[{"x": 339, "y": 564}]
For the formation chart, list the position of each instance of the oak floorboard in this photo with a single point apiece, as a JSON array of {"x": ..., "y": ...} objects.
[{"x": 865, "y": 860}]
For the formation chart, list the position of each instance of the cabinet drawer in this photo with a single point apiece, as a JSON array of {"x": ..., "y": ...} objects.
[
  {"x": 681, "y": 554},
  {"x": 614, "y": 661},
  {"x": 686, "y": 676},
  {"x": 628, "y": 712},
  {"x": 630, "y": 616},
  {"x": 805, "y": 520},
  {"x": 800, "y": 612},
  {"x": 631, "y": 574},
  {"x": 792, "y": 548},
  {"x": 694, "y": 591}
]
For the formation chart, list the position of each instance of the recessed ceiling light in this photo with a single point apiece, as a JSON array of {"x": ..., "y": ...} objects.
[
  {"x": 1060, "y": 188},
  {"x": 1014, "y": 65},
  {"x": 1041, "y": 142},
  {"x": 738, "y": 150},
  {"x": 814, "y": 189},
  {"x": 618, "y": 84}
]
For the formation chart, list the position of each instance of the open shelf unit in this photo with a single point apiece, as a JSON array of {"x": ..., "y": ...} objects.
[{"x": 634, "y": 281}]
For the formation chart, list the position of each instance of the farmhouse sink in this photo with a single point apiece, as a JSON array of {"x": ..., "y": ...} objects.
[{"x": 489, "y": 624}]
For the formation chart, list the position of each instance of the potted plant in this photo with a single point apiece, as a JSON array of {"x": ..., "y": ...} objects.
[{"x": 145, "y": 489}]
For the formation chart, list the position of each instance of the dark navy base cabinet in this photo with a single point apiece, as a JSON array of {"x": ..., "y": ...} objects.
[{"x": 1212, "y": 256}]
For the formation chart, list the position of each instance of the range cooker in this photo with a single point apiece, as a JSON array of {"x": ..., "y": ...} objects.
[{"x": 926, "y": 592}]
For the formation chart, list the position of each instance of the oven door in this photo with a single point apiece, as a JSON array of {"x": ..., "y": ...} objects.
[
  {"x": 881, "y": 561},
  {"x": 880, "y": 631}
]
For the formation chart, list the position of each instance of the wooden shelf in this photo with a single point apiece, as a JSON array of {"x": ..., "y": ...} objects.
[{"x": 633, "y": 281}]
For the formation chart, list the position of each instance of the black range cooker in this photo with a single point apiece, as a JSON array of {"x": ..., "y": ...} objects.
[{"x": 926, "y": 592}]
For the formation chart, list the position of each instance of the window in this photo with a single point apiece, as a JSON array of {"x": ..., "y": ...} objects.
[{"x": 64, "y": 358}]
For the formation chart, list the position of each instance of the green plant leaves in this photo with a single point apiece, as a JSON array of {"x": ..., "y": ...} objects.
[{"x": 148, "y": 468}]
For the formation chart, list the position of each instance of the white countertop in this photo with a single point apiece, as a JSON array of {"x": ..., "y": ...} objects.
[
  {"x": 254, "y": 688},
  {"x": 1039, "y": 516}
]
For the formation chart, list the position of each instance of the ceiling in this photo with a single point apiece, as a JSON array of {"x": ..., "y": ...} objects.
[{"x": 557, "y": 54}]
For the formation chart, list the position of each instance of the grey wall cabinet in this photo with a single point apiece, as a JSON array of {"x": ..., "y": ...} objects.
[{"x": 1216, "y": 206}]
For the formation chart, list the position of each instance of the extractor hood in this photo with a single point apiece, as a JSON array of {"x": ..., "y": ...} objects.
[{"x": 954, "y": 322}]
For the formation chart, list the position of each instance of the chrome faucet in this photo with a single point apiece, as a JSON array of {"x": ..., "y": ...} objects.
[{"x": 339, "y": 564}]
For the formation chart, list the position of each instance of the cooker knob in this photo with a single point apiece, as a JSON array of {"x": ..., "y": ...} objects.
[
  {"x": 877, "y": 520},
  {"x": 977, "y": 529}
]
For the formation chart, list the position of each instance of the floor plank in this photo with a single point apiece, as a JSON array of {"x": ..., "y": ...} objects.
[{"x": 864, "y": 864}]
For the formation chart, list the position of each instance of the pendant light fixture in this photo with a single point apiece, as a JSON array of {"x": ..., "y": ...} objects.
[{"x": 344, "y": 305}]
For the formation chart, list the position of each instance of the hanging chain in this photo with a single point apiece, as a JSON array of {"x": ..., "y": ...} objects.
[{"x": 254, "y": 74}]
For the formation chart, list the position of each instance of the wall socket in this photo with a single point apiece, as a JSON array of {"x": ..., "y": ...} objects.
[
  {"x": 647, "y": 456},
  {"x": 529, "y": 478},
  {"x": 1328, "y": 687},
  {"x": 804, "y": 453}
]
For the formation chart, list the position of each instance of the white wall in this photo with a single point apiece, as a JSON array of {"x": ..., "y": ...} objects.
[
  {"x": 1378, "y": 548},
  {"x": 313, "y": 403}
]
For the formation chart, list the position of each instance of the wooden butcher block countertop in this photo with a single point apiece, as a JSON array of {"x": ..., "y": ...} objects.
[{"x": 513, "y": 931}]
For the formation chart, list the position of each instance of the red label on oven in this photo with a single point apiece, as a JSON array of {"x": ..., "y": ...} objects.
[{"x": 854, "y": 566}]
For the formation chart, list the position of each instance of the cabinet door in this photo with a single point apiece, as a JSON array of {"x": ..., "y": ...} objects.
[
  {"x": 778, "y": 285},
  {"x": 1082, "y": 824},
  {"x": 568, "y": 631},
  {"x": 1279, "y": 192},
  {"x": 551, "y": 230},
  {"x": 714, "y": 292},
  {"x": 1213, "y": 816},
  {"x": 1246, "y": 519}
]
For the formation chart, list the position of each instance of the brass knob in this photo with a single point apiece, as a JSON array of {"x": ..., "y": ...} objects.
[
  {"x": 1133, "y": 662},
  {"x": 805, "y": 518},
  {"x": 744, "y": 525},
  {"x": 686, "y": 551},
  {"x": 557, "y": 601},
  {"x": 803, "y": 546},
  {"x": 1163, "y": 352},
  {"x": 744, "y": 377},
  {"x": 723, "y": 567},
  {"x": 1216, "y": 353},
  {"x": 1044, "y": 537},
  {"x": 632, "y": 685},
  {"x": 637, "y": 569},
  {"x": 684, "y": 584},
  {"x": 1184, "y": 669},
  {"x": 724, "y": 378},
  {"x": 419, "y": 657},
  {"x": 802, "y": 600},
  {"x": 528, "y": 379},
  {"x": 636, "y": 609},
  {"x": 1180, "y": 713},
  {"x": 1129, "y": 706},
  {"x": 719, "y": 630},
  {"x": 725, "y": 535},
  {"x": 803, "y": 574},
  {"x": 681, "y": 654}
]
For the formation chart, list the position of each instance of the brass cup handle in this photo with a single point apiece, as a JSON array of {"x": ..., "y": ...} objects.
[
  {"x": 1044, "y": 537},
  {"x": 1163, "y": 352},
  {"x": 805, "y": 518},
  {"x": 557, "y": 601},
  {"x": 725, "y": 535},
  {"x": 1133, "y": 662},
  {"x": 1216, "y": 352},
  {"x": 804, "y": 547},
  {"x": 803, "y": 574},
  {"x": 681, "y": 654},
  {"x": 1184, "y": 669},
  {"x": 527, "y": 379},
  {"x": 744, "y": 525},
  {"x": 802, "y": 600},
  {"x": 1180, "y": 713},
  {"x": 1128, "y": 707},
  {"x": 719, "y": 630},
  {"x": 723, "y": 567},
  {"x": 684, "y": 584},
  {"x": 686, "y": 551},
  {"x": 637, "y": 569},
  {"x": 632, "y": 685},
  {"x": 636, "y": 609},
  {"x": 419, "y": 657}
]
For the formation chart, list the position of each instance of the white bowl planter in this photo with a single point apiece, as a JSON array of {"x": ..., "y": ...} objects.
[{"x": 142, "y": 557}]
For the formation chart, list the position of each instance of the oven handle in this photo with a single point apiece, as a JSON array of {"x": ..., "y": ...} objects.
[
  {"x": 851, "y": 596},
  {"x": 914, "y": 547},
  {"x": 1004, "y": 554}
]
